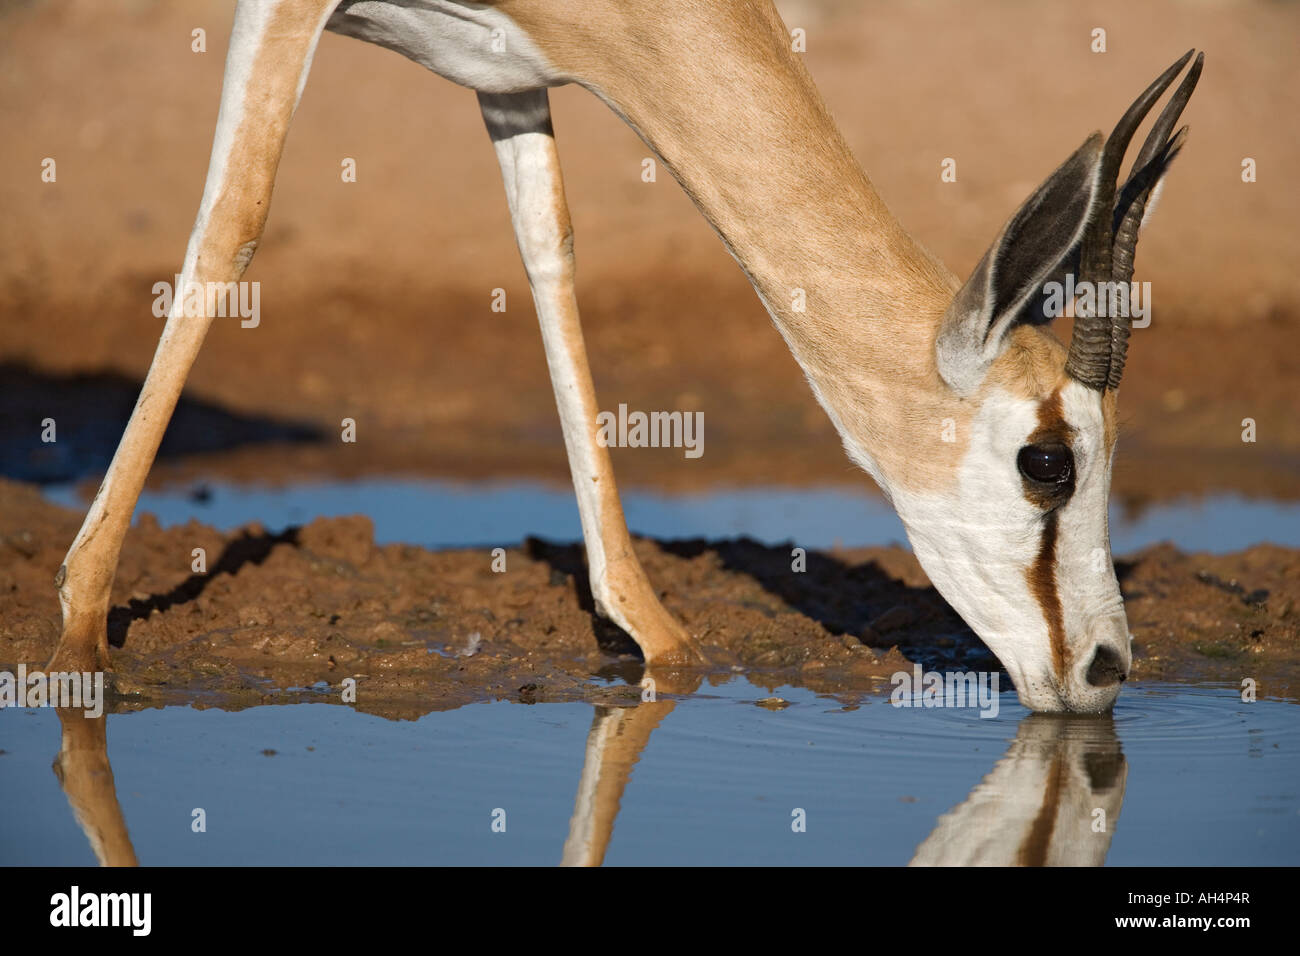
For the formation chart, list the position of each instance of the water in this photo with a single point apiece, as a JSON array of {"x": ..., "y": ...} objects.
[
  {"x": 440, "y": 514},
  {"x": 1183, "y": 775}
]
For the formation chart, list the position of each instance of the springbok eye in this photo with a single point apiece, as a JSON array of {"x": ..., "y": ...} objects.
[{"x": 1046, "y": 464}]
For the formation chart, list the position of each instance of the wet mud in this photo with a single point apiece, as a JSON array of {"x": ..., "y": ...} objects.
[{"x": 298, "y": 611}]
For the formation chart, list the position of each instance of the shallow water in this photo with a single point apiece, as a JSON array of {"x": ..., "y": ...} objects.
[
  {"x": 438, "y": 514},
  {"x": 1180, "y": 775}
]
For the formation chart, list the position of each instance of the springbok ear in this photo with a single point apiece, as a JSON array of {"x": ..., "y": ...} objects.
[{"x": 1027, "y": 253}]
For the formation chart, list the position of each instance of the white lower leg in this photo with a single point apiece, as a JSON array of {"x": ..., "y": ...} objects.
[{"x": 520, "y": 125}]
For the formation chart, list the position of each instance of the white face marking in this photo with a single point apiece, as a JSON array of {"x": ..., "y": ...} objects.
[
  {"x": 475, "y": 46},
  {"x": 980, "y": 540}
]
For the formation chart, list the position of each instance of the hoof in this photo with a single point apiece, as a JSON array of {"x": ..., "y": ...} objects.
[
  {"x": 77, "y": 654},
  {"x": 683, "y": 655},
  {"x": 670, "y": 679}
]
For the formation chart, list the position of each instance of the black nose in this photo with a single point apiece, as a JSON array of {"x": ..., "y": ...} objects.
[{"x": 1106, "y": 668}]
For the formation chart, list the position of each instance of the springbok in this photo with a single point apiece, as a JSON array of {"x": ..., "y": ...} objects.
[{"x": 1008, "y": 518}]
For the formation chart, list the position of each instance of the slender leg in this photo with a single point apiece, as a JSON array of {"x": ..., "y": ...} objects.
[
  {"x": 271, "y": 47},
  {"x": 520, "y": 126}
]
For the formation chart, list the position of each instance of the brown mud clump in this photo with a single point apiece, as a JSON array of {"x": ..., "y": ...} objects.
[{"x": 422, "y": 630}]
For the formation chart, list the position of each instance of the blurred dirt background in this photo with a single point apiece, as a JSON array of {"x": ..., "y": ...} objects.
[{"x": 376, "y": 294}]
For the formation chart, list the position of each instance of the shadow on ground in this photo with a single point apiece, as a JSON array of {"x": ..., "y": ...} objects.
[
  {"x": 85, "y": 413},
  {"x": 860, "y": 600}
]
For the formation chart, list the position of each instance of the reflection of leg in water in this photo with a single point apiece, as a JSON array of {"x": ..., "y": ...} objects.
[
  {"x": 614, "y": 745},
  {"x": 1052, "y": 800},
  {"x": 83, "y": 771}
]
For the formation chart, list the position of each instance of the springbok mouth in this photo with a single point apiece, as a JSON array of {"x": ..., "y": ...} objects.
[
  {"x": 1064, "y": 707},
  {"x": 1093, "y": 701},
  {"x": 1049, "y": 697}
]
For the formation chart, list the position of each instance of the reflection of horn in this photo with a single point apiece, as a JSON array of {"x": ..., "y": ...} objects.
[
  {"x": 87, "y": 779},
  {"x": 1038, "y": 805}
]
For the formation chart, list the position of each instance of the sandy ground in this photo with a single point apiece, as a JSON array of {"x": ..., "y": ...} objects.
[{"x": 376, "y": 306}]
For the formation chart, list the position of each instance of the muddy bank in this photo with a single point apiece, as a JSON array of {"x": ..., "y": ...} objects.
[{"x": 423, "y": 630}]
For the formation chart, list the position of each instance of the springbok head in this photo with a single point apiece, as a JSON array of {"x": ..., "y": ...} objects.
[{"x": 1018, "y": 541}]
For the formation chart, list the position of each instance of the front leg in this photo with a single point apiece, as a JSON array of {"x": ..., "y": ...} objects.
[
  {"x": 520, "y": 126},
  {"x": 271, "y": 48}
]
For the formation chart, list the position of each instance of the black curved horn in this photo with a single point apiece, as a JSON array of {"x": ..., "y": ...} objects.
[
  {"x": 1150, "y": 166},
  {"x": 1091, "y": 347}
]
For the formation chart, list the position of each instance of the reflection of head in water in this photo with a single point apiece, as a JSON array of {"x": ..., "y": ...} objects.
[{"x": 1052, "y": 800}]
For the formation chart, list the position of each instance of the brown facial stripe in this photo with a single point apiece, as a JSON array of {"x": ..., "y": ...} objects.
[
  {"x": 1052, "y": 429},
  {"x": 1052, "y": 425},
  {"x": 1041, "y": 576},
  {"x": 1033, "y": 852}
]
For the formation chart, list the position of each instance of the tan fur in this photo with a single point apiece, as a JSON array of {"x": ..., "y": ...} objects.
[
  {"x": 86, "y": 578},
  {"x": 774, "y": 176},
  {"x": 1110, "y": 419},
  {"x": 1032, "y": 366}
]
